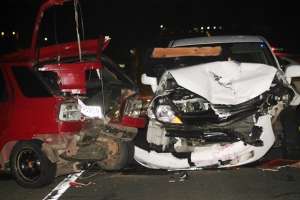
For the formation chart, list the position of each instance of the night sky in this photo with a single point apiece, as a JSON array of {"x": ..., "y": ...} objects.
[{"x": 133, "y": 24}]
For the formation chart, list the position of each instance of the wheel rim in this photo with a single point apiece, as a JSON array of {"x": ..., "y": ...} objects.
[{"x": 29, "y": 165}]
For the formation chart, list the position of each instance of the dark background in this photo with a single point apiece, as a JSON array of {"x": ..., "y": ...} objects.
[{"x": 136, "y": 24}]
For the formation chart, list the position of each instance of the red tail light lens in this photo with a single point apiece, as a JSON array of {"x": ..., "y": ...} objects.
[{"x": 135, "y": 112}]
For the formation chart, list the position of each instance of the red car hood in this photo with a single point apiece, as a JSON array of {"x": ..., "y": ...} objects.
[{"x": 52, "y": 52}]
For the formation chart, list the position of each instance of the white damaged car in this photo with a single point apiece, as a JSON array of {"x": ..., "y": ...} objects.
[{"x": 217, "y": 102}]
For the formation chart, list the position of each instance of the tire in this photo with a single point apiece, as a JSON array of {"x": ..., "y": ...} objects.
[
  {"x": 30, "y": 166},
  {"x": 119, "y": 155}
]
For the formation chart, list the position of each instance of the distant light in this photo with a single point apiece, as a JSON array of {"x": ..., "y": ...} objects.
[
  {"x": 202, "y": 28},
  {"x": 214, "y": 27},
  {"x": 122, "y": 65},
  {"x": 45, "y": 38},
  {"x": 132, "y": 51},
  {"x": 220, "y": 27},
  {"x": 2, "y": 33},
  {"x": 161, "y": 26},
  {"x": 13, "y": 33},
  {"x": 208, "y": 27}
]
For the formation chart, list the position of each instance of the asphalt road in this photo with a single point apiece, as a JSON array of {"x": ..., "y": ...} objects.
[{"x": 138, "y": 183}]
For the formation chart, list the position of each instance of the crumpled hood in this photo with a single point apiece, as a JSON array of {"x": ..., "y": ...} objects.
[{"x": 228, "y": 82}]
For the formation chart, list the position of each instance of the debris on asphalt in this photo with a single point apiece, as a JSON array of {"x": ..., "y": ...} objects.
[
  {"x": 62, "y": 187},
  {"x": 76, "y": 184},
  {"x": 277, "y": 164},
  {"x": 183, "y": 177},
  {"x": 178, "y": 176},
  {"x": 172, "y": 180}
]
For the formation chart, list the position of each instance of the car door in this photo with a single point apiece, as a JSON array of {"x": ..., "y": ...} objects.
[{"x": 4, "y": 103}]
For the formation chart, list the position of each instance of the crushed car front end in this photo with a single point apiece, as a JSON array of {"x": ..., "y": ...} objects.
[{"x": 216, "y": 114}]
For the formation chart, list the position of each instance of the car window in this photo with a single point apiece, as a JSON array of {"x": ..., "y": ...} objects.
[
  {"x": 249, "y": 53},
  {"x": 3, "y": 92},
  {"x": 29, "y": 82},
  {"x": 52, "y": 80}
]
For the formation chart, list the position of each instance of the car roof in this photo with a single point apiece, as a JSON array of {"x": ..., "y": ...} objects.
[{"x": 216, "y": 39}]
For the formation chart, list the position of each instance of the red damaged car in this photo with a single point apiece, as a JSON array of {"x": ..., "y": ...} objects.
[{"x": 61, "y": 107}]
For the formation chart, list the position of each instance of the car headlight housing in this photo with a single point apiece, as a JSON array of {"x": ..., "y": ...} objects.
[
  {"x": 69, "y": 112},
  {"x": 173, "y": 101},
  {"x": 164, "y": 113},
  {"x": 193, "y": 105}
]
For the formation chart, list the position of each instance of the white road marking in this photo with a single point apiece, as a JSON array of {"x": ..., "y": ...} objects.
[{"x": 62, "y": 187}]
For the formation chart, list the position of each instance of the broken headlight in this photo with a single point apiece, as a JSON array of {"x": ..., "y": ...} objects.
[
  {"x": 184, "y": 100},
  {"x": 165, "y": 113},
  {"x": 69, "y": 112},
  {"x": 192, "y": 105}
]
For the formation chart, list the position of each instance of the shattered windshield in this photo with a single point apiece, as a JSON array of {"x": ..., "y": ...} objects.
[{"x": 158, "y": 61}]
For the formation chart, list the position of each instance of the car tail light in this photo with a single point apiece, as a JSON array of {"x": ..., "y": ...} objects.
[
  {"x": 135, "y": 112},
  {"x": 69, "y": 112}
]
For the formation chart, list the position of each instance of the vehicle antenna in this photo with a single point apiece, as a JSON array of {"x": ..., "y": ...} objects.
[{"x": 77, "y": 28}]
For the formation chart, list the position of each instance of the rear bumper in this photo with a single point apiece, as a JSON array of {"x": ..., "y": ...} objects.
[{"x": 70, "y": 127}]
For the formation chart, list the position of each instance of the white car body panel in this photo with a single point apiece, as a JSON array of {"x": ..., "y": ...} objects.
[
  {"x": 237, "y": 152},
  {"x": 227, "y": 83}
]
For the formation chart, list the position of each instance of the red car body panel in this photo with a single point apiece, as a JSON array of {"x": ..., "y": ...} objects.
[
  {"x": 52, "y": 52},
  {"x": 24, "y": 118},
  {"x": 72, "y": 75},
  {"x": 138, "y": 122}
]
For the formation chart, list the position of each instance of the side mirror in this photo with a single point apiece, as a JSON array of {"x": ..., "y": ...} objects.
[
  {"x": 148, "y": 80},
  {"x": 292, "y": 71}
]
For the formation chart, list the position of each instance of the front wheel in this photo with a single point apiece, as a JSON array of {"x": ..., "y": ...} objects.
[
  {"x": 119, "y": 155},
  {"x": 30, "y": 166}
]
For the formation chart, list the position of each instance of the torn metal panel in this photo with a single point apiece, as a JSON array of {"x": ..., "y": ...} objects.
[
  {"x": 227, "y": 83},
  {"x": 96, "y": 142},
  {"x": 90, "y": 111}
]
